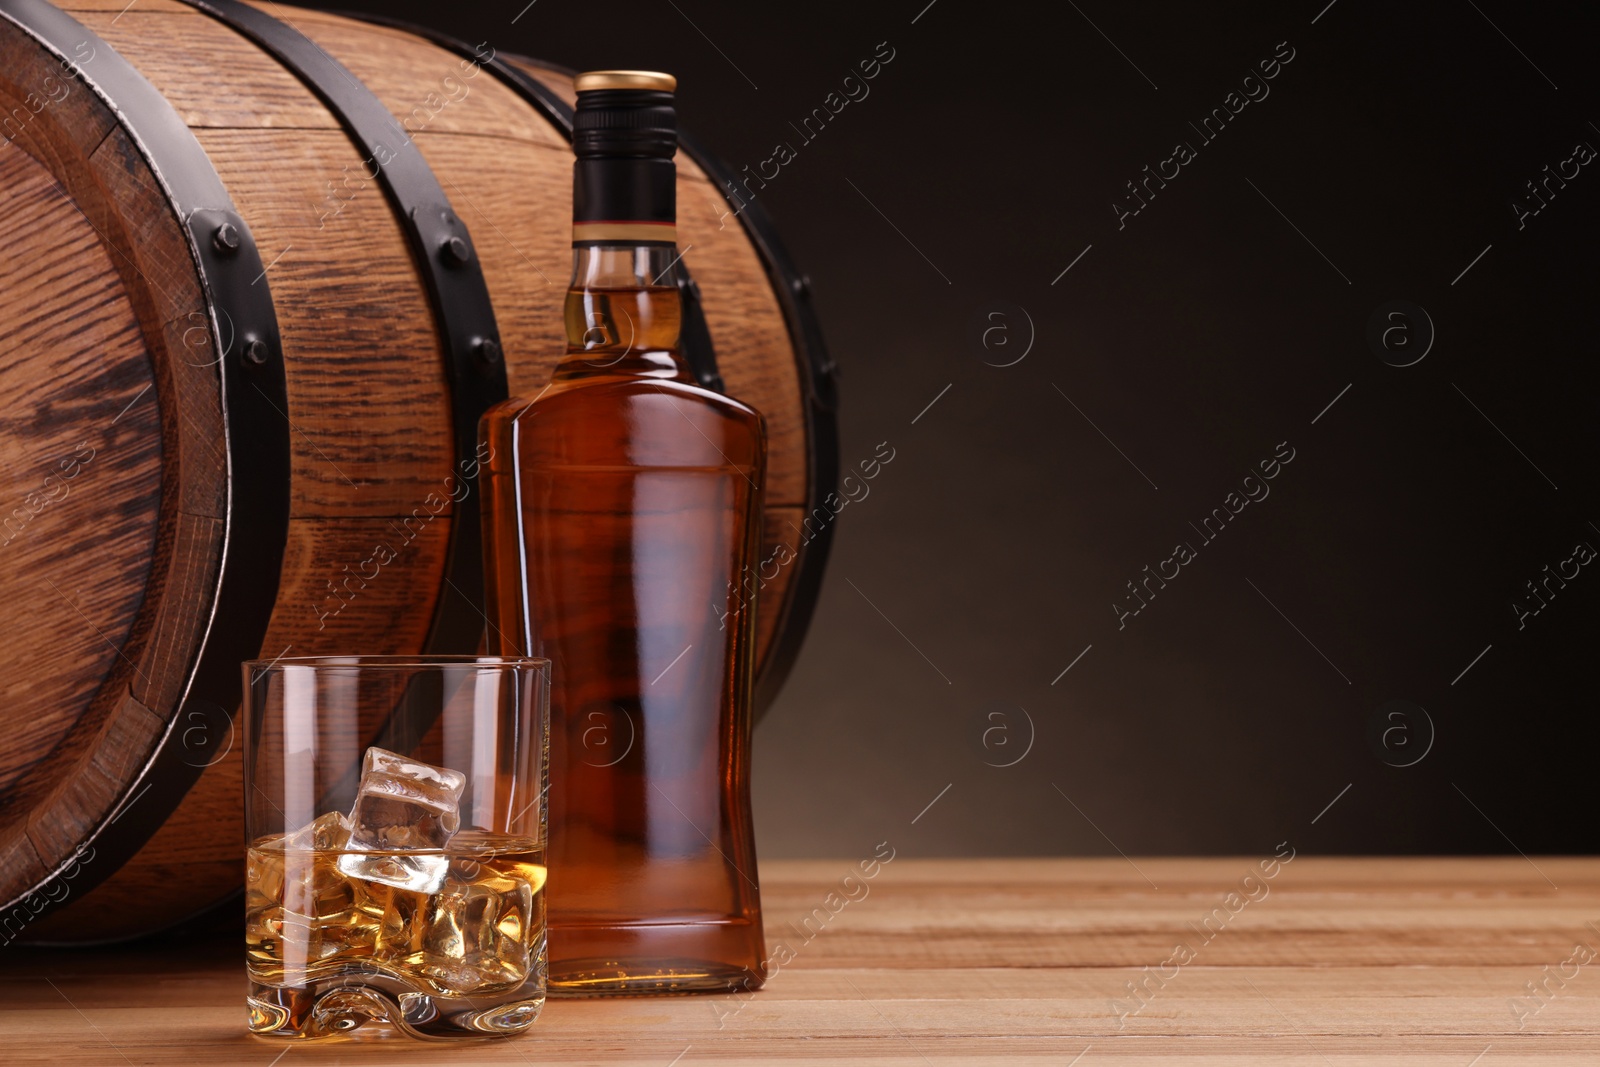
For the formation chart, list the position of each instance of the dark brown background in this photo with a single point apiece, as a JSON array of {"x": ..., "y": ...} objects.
[{"x": 1219, "y": 322}]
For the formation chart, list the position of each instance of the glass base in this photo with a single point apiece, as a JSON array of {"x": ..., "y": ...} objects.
[{"x": 337, "y": 1008}]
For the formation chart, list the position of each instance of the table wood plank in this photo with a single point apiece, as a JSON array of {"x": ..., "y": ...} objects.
[{"x": 1334, "y": 962}]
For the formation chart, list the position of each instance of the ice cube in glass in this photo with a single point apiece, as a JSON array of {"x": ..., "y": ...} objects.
[{"x": 405, "y": 812}]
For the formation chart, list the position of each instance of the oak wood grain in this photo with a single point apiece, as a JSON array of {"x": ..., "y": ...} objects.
[
  {"x": 1354, "y": 962},
  {"x": 369, "y": 407},
  {"x": 57, "y": 802},
  {"x": 425, "y": 87},
  {"x": 117, "y": 7},
  {"x": 211, "y": 75},
  {"x": 71, "y": 358}
]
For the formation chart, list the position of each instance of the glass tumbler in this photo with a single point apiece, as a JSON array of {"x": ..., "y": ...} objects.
[{"x": 396, "y": 831}]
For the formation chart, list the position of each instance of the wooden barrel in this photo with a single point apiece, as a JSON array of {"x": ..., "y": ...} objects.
[{"x": 263, "y": 269}]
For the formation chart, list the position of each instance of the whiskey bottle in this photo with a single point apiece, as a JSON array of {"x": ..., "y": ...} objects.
[{"x": 621, "y": 510}]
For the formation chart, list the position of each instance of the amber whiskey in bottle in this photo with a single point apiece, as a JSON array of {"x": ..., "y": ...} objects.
[{"x": 621, "y": 509}]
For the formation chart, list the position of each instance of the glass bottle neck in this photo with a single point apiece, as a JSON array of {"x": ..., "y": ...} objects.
[{"x": 623, "y": 313}]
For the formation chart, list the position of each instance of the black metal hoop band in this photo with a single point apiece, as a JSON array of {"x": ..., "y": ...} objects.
[
  {"x": 255, "y": 399},
  {"x": 449, "y": 264}
]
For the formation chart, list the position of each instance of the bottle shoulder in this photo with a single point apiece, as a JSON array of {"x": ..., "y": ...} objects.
[
  {"x": 621, "y": 421},
  {"x": 629, "y": 390}
]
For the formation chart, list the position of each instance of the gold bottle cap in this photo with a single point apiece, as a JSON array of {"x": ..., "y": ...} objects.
[{"x": 626, "y": 79}]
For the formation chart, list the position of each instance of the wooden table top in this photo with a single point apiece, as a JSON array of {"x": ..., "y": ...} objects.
[{"x": 1458, "y": 962}]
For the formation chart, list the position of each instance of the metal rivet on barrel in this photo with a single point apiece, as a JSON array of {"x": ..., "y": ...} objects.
[
  {"x": 456, "y": 251},
  {"x": 225, "y": 239},
  {"x": 256, "y": 352},
  {"x": 489, "y": 351}
]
